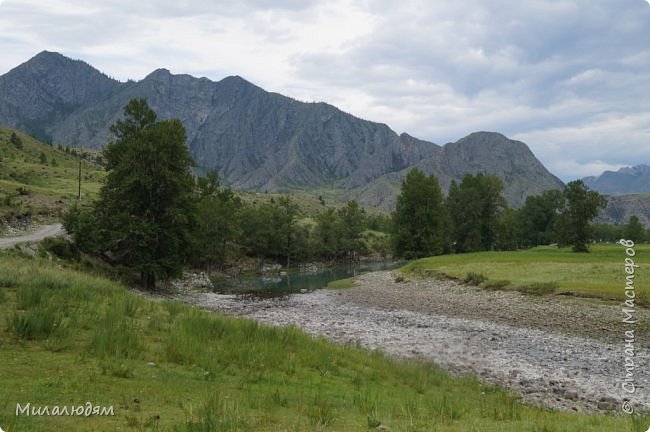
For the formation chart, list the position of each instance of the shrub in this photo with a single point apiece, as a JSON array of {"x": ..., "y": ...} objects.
[
  {"x": 475, "y": 279},
  {"x": 496, "y": 285},
  {"x": 60, "y": 247},
  {"x": 539, "y": 288}
]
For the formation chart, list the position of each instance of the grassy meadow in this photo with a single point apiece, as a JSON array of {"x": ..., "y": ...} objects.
[
  {"x": 39, "y": 179},
  {"x": 600, "y": 273},
  {"x": 67, "y": 338}
]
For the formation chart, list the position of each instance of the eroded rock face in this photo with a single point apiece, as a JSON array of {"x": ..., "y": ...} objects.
[
  {"x": 621, "y": 207},
  {"x": 257, "y": 139}
]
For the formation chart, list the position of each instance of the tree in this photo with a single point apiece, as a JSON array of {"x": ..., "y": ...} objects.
[
  {"x": 351, "y": 219},
  {"x": 537, "y": 217},
  {"x": 209, "y": 185},
  {"x": 146, "y": 209},
  {"x": 508, "y": 229},
  {"x": 466, "y": 232},
  {"x": 16, "y": 141},
  {"x": 605, "y": 232},
  {"x": 326, "y": 235},
  {"x": 218, "y": 218},
  {"x": 474, "y": 207},
  {"x": 288, "y": 216},
  {"x": 82, "y": 226},
  {"x": 634, "y": 230},
  {"x": 420, "y": 220},
  {"x": 258, "y": 235},
  {"x": 581, "y": 206}
]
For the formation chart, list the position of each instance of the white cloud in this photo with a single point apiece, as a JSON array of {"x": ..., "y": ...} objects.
[{"x": 570, "y": 78}]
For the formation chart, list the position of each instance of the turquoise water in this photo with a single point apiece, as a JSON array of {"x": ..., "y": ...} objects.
[{"x": 276, "y": 285}]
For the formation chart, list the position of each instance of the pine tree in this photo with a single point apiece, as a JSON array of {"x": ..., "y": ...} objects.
[
  {"x": 218, "y": 214},
  {"x": 146, "y": 207}
]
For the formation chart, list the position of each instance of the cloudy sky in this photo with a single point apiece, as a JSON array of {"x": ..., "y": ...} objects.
[{"x": 569, "y": 78}]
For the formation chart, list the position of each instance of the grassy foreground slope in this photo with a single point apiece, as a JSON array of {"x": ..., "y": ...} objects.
[
  {"x": 600, "y": 273},
  {"x": 67, "y": 338},
  {"x": 40, "y": 179}
]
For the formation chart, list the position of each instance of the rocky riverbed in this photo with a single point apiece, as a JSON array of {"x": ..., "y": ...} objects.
[{"x": 562, "y": 353}]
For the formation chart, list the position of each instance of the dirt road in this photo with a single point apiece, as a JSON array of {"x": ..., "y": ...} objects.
[{"x": 43, "y": 232}]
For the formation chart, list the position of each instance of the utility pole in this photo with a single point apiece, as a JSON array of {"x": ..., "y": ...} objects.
[{"x": 79, "y": 190}]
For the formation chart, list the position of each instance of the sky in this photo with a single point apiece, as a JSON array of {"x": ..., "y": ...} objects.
[{"x": 569, "y": 78}]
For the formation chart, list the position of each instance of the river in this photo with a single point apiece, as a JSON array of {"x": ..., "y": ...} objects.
[{"x": 282, "y": 284}]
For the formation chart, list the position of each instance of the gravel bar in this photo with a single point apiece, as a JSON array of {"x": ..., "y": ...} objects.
[{"x": 557, "y": 352}]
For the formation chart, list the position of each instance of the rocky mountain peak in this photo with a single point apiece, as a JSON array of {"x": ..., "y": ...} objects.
[
  {"x": 256, "y": 139},
  {"x": 159, "y": 74},
  {"x": 626, "y": 180}
]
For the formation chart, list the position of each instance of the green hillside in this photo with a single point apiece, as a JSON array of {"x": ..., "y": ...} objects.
[{"x": 39, "y": 180}]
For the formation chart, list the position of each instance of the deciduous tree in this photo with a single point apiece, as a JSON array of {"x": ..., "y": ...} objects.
[
  {"x": 582, "y": 205},
  {"x": 474, "y": 207},
  {"x": 420, "y": 220},
  {"x": 634, "y": 230}
]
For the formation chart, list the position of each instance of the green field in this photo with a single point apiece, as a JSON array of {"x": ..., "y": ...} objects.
[
  {"x": 67, "y": 338},
  {"x": 38, "y": 179},
  {"x": 600, "y": 273}
]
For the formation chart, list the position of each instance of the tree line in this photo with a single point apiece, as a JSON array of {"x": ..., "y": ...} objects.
[
  {"x": 475, "y": 217},
  {"x": 277, "y": 230},
  {"x": 153, "y": 216}
]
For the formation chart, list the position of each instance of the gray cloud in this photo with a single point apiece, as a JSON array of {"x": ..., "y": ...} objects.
[{"x": 570, "y": 78}]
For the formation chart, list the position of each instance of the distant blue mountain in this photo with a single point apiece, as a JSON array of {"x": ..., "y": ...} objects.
[{"x": 624, "y": 181}]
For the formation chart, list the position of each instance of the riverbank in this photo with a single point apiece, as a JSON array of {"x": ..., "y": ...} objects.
[
  {"x": 74, "y": 340},
  {"x": 562, "y": 353}
]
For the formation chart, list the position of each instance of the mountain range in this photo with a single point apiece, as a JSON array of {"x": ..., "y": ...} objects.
[
  {"x": 257, "y": 139},
  {"x": 627, "y": 180}
]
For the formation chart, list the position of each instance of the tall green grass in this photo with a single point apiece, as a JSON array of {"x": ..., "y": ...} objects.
[
  {"x": 35, "y": 323},
  {"x": 69, "y": 337}
]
